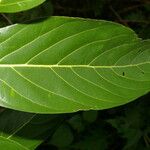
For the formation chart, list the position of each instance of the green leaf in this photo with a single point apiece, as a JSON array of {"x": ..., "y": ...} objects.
[
  {"x": 62, "y": 137},
  {"x": 92, "y": 138},
  {"x": 9, "y": 6},
  {"x": 63, "y": 65},
  {"x": 77, "y": 123},
  {"x": 90, "y": 116},
  {"x": 25, "y": 131}
]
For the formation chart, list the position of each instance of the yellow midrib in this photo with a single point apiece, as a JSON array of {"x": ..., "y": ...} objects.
[{"x": 69, "y": 66}]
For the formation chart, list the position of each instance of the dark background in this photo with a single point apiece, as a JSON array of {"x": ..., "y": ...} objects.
[{"x": 122, "y": 128}]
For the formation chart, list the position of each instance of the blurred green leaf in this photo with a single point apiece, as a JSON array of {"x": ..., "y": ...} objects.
[
  {"x": 62, "y": 137},
  {"x": 90, "y": 116},
  {"x": 76, "y": 123},
  {"x": 24, "y": 130},
  {"x": 94, "y": 140},
  {"x": 8, "y": 6}
]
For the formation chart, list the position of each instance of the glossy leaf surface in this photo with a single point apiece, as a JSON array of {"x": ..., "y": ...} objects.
[
  {"x": 68, "y": 64},
  {"x": 10, "y": 6}
]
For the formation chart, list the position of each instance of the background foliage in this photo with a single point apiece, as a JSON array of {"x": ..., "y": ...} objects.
[{"x": 121, "y": 128}]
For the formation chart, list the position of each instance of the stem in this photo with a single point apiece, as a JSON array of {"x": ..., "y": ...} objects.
[{"x": 7, "y": 19}]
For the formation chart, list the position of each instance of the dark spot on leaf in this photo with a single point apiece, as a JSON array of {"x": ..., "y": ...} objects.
[
  {"x": 139, "y": 51},
  {"x": 123, "y": 73},
  {"x": 142, "y": 72}
]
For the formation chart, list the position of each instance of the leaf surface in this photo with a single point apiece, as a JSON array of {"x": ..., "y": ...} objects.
[
  {"x": 11, "y": 6},
  {"x": 65, "y": 64},
  {"x": 25, "y": 131}
]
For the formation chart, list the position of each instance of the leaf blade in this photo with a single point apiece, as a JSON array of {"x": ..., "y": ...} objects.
[
  {"x": 19, "y": 130},
  {"x": 95, "y": 65},
  {"x": 18, "y": 5}
]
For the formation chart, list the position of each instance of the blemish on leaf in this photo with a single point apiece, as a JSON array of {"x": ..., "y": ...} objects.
[
  {"x": 123, "y": 73},
  {"x": 142, "y": 72},
  {"x": 1, "y": 96}
]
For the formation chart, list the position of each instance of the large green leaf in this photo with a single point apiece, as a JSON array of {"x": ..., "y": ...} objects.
[
  {"x": 9, "y": 6},
  {"x": 25, "y": 131},
  {"x": 68, "y": 64}
]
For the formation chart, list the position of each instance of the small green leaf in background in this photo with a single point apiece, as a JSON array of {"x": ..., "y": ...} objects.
[
  {"x": 76, "y": 123},
  {"x": 133, "y": 125},
  {"x": 62, "y": 137},
  {"x": 25, "y": 131},
  {"x": 11, "y": 6},
  {"x": 7, "y": 144},
  {"x": 92, "y": 139},
  {"x": 90, "y": 116},
  {"x": 41, "y": 11}
]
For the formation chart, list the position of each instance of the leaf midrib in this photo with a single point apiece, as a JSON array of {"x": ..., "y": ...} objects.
[{"x": 69, "y": 66}]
